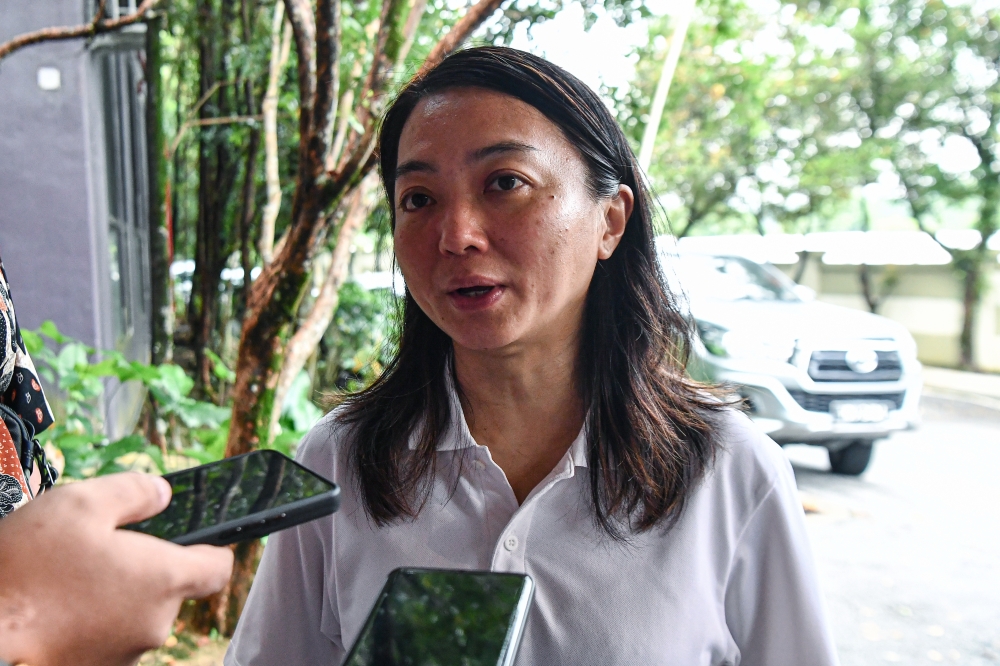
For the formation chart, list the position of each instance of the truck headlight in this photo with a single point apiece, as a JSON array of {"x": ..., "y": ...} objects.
[{"x": 743, "y": 344}]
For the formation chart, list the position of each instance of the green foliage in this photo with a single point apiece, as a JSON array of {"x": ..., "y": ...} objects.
[
  {"x": 298, "y": 415},
  {"x": 357, "y": 345},
  {"x": 80, "y": 374},
  {"x": 745, "y": 142},
  {"x": 78, "y": 432}
]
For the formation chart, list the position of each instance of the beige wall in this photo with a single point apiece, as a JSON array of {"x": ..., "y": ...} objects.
[{"x": 925, "y": 299}]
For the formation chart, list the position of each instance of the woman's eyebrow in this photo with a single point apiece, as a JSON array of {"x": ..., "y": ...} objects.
[
  {"x": 413, "y": 166},
  {"x": 501, "y": 147}
]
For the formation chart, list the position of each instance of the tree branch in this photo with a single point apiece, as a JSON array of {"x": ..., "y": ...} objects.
[
  {"x": 413, "y": 19},
  {"x": 205, "y": 122},
  {"x": 346, "y": 108},
  {"x": 374, "y": 90},
  {"x": 473, "y": 18},
  {"x": 388, "y": 43},
  {"x": 327, "y": 76},
  {"x": 281, "y": 41},
  {"x": 95, "y": 27},
  {"x": 304, "y": 29}
]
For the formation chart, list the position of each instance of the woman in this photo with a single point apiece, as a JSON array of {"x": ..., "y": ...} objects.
[{"x": 536, "y": 417}]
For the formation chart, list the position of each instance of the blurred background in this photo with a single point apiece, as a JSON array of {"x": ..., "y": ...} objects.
[{"x": 827, "y": 172}]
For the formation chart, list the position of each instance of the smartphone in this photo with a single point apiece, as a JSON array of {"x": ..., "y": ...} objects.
[
  {"x": 240, "y": 498},
  {"x": 431, "y": 617}
]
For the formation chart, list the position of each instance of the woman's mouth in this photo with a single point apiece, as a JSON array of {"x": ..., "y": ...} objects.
[
  {"x": 476, "y": 297},
  {"x": 474, "y": 291}
]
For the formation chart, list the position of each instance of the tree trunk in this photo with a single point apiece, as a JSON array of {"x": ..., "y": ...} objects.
[
  {"x": 971, "y": 278},
  {"x": 161, "y": 301},
  {"x": 217, "y": 170},
  {"x": 801, "y": 266},
  {"x": 248, "y": 211},
  {"x": 867, "y": 290}
]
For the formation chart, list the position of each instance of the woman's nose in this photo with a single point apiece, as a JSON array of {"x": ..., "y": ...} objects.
[{"x": 462, "y": 230}]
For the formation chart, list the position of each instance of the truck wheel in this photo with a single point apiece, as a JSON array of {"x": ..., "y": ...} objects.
[{"x": 853, "y": 459}]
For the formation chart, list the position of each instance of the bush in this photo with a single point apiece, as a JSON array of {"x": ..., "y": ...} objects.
[
  {"x": 199, "y": 429},
  {"x": 359, "y": 342}
]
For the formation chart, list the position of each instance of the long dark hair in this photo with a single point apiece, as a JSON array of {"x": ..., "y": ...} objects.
[{"x": 650, "y": 430}]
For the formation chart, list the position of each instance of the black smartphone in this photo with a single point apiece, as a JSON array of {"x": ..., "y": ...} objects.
[
  {"x": 240, "y": 498},
  {"x": 440, "y": 617}
]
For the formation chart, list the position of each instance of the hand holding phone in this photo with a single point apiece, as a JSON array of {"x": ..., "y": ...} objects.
[
  {"x": 74, "y": 589},
  {"x": 241, "y": 498}
]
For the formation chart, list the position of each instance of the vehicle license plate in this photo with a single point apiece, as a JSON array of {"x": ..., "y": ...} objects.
[{"x": 858, "y": 411}]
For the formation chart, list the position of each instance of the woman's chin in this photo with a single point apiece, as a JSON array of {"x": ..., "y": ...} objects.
[{"x": 483, "y": 339}]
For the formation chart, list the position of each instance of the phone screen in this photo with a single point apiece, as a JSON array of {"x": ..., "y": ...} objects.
[
  {"x": 229, "y": 490},
  {"x": 428, "y": 617}
]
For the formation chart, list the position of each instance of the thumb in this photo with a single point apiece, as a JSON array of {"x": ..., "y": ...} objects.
[{"x": 123, "y": 498}]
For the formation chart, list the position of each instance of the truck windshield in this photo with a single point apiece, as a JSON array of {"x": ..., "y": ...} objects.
[{"x": 732, "y": 279}]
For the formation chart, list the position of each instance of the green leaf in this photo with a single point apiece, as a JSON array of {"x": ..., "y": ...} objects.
[
  {"x": 198, "y": 414},
  {"x": 145, "y": 372},
  {"x": 72, "y": 356},
  {"x": 108, "y": 455},
  {"x": 173, "y": 382},
  {"x": 202, "y": 456},
  {"x": 157, "y": 457},
  {"x": 50, "y": 330},
  {"x": 70, "y": 442},
  {"x": 286, "y": 442},
  {"x": 32, "y": 342},
  {"x": 213, "y": 441},
  {"x": 298, "y": 408},
  {"x": 219, "y": 369},
  {"x": 127, "y": 444}
]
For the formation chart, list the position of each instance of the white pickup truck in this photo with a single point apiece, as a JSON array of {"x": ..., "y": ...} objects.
[{"x": 810, "y": 372}]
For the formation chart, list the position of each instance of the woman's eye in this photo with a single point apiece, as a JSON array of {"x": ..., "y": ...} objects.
[
  {"x": 415, "y": 201},
  {"x": 505, "y": 183}
]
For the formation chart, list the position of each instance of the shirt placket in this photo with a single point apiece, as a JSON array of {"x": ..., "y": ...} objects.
[{"x": 510, "y": 551}]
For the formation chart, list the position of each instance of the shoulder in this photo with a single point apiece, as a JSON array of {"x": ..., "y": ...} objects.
[
  {"x": 325, "y": 447},
  {"x": 748, "y": 465}
]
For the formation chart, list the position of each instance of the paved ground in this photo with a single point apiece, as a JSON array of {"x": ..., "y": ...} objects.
[{"x": 909, "y": 553}]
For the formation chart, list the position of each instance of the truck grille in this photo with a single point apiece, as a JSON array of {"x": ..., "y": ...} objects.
[
  {"x": 820, "y": 402},
  {"x": 831, "y": 366}
]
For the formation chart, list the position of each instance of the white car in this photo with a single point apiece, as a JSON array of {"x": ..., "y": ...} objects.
[{"x": 810, "y": 372}]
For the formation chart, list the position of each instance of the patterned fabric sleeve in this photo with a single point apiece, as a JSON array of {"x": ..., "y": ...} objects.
[{"x": 19, "y": 386}]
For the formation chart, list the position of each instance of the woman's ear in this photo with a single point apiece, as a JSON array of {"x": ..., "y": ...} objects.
[{"x": 619, "y": 210}]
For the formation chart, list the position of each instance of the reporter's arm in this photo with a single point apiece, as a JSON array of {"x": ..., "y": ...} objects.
[{"x": 74, "y": 589}]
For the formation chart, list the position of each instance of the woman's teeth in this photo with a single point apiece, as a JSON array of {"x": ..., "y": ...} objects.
[{"x": 473, "y": 291}]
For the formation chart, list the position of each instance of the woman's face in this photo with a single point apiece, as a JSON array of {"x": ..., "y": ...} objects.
[{"x": 496, "y": 232}]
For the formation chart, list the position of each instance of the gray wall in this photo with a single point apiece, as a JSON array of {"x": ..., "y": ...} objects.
[
  {"x": 54, "y": 198},
  {"x": 46, "y": 162}
]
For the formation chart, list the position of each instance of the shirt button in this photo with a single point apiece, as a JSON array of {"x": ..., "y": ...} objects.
[
  {"x": 510, "y": 543},
  {"x": 480, "y": 465}
]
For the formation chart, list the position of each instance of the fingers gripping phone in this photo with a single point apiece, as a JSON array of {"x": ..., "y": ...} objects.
[
  {"x": 240, "y": 498},
  {"x": 437, "y": 617}
]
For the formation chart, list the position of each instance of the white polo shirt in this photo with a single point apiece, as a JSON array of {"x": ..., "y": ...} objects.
[{"x": 733, "y": 581}]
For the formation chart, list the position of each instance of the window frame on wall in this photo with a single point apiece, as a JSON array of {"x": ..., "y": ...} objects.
[{"x": 122, "y": 95}]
